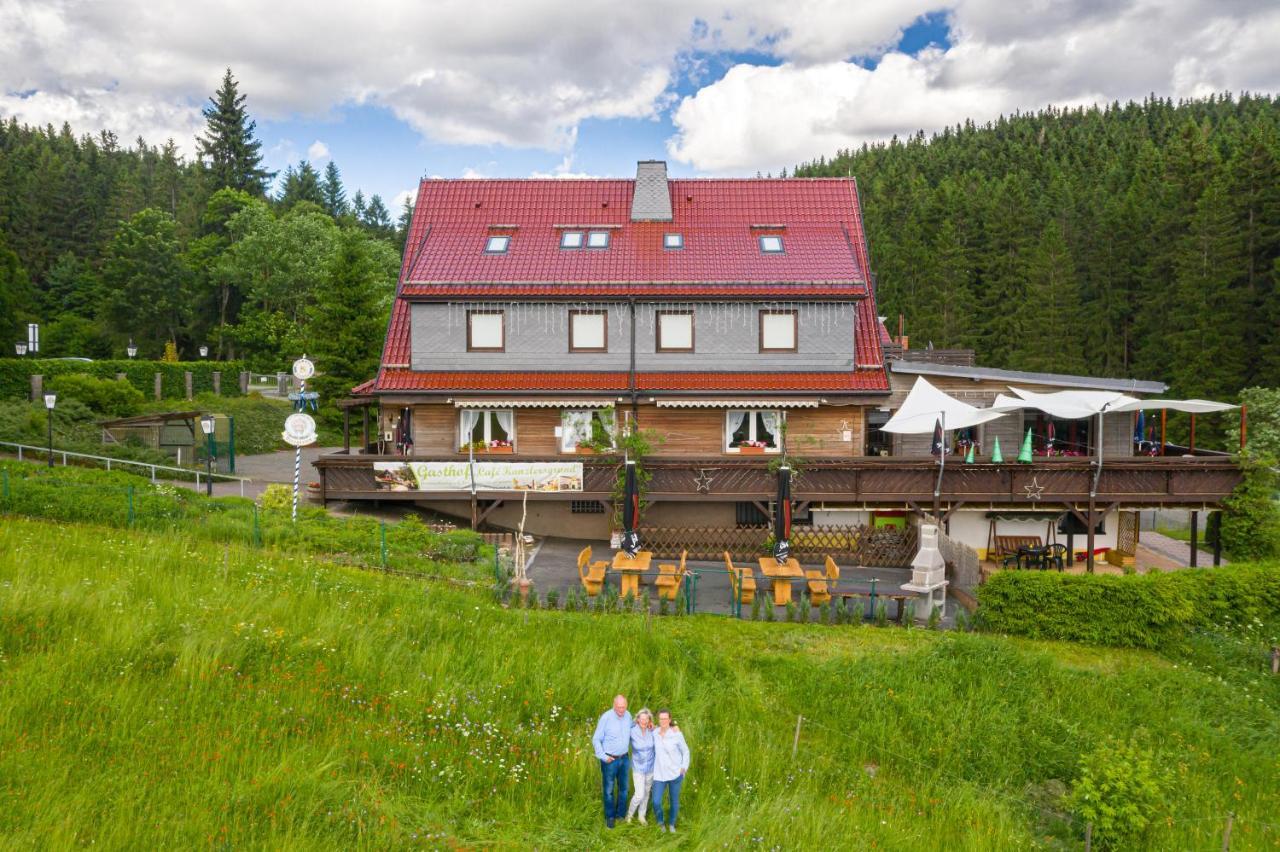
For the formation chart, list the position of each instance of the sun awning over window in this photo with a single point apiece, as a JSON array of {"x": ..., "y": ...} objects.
[
  {"x": 532, "y": 403},
  {"x": 738, "y": 403}
]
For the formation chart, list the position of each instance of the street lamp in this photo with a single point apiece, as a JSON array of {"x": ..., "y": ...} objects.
[
  {"x": 20, "y": 348},
  {"x": 204, "y": 351},
  {"x": 50, "y": 400},
  {"x": 131, "y": 349},
  {"x": 206, "y": 424}
]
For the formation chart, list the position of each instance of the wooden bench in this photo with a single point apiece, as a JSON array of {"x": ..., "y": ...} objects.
[
  {"x": 592, "y": 573},
  {"x": 817, "y": 581},
  {"x": 670, "y": 577},
  {"x": 1008, "y": 545},
  {"x": 741, "y": 578}
]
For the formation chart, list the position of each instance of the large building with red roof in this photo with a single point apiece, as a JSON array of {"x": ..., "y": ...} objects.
[{"x": 728, "y": 321}]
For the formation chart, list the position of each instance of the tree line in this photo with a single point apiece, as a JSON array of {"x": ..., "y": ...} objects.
[
  {"x": 1138, "y": 239},
  {"x": 102, "y": 244}
]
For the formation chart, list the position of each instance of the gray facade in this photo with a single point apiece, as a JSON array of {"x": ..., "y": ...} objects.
[{"x": 726, "y": 338}]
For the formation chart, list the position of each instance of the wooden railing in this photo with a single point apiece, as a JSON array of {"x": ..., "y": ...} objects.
[{"x": 1130, "y": 481}]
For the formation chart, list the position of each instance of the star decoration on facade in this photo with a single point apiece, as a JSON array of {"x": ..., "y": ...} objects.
[
  {"x": 702, "y": 482},
  {"x": 1034, "y": 489}
]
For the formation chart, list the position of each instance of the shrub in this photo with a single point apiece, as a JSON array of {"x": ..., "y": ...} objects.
[
  {"x": 1250, "y": 525},
  {"x": 935, "y": 618},
  {"x": 1118, "y": 790},
  {"x": 663, "y": 609},
  {"x": 1144, "y": 610},
  {"x": 882, "y": 614},
  {"x": 769, "y": 614},
  {"x": 111, "y": 397},
  {"x": 277, "y": 497},
  {"x": 755, "y": 608},
  {"x": 553, "y": 599},
  {"x": 15, "y": 375}
]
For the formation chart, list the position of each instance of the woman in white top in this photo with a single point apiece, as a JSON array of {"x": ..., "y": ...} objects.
[
  {"x": 670, "y": 763},
  {"x": 641, "y": 764}
]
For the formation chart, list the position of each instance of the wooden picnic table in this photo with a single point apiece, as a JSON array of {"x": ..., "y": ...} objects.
[
  {"x": 630, "y": 568},
  {"x": 782, "y": 573}
]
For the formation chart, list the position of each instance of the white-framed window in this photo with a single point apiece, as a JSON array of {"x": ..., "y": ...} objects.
[
  {"x": 486, "y": 331},
  {"x": 674, "y": 331},
  {"x": 588, "y": 331},
  {"x": 673, "y": 241},
  {"x": 597, "y": 239},
  {"x": 754, "y": 429},
  {"x": 771, "y": 244},
  {"x": 570, "y": 239},
  {"x": 487, "y": 429},
  {"x": 590, "y": 425},
  {"x": 778, "y": 331},
  {"x": 497, "y": 244}
]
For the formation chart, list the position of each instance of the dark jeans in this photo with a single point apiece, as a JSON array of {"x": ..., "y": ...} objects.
[
  {"x": 659, "y": 787},
  {"x": 617, "y": 771}
]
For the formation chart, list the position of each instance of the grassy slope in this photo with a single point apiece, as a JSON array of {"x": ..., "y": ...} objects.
[{"x": 162, "y": 691}]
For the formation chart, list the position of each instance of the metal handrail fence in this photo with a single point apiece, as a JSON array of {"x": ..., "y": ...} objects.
[{"x": 151, "y": 466}]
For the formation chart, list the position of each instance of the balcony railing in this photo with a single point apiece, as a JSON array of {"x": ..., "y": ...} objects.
[{"x": 1130, "y": 481}]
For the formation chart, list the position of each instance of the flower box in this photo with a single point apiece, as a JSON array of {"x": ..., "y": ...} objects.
[
  {"x": 751, "y": 451},
  {"x": 492, "y": 450}
]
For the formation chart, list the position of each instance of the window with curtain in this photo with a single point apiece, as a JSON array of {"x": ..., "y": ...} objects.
[
  {"x": 755, "y": 429},
  {"x": 485, "y": 331},
  {"x": 487, "y": 430},
  {"x": 675, "y": 331},
  {"x": 588, "y": 331},
  {"x": 584, "y": 426}
]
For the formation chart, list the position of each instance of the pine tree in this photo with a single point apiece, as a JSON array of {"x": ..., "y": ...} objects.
[
  {"x": 359, "y": 207},
  {"x": 405, "y": 222},
  {"x": 145, "y": 280},
  {"x": 377, "y": 218},
  {"x": 335, "y": 195},
  {"x": 1053, "y": 343},
  {"x": 348, "y": 317},
  {"x": 231, "y": 153},
  {"x": 301, "y": 184}
]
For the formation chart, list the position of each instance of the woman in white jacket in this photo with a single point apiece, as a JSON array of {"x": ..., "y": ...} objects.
[{"x": 670, "y": 763}]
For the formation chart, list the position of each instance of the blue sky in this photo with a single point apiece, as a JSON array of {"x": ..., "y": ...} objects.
[
  {"x": 378, "y": 153},
  {"x": 399, "y": 89}
]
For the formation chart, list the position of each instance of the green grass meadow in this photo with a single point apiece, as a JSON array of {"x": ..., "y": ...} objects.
[{"x": 164, "y": 691}]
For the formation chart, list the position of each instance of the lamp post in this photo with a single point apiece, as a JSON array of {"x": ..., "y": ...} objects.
[
  {"x": 131, "y": 350},
  {"x": 206, "y": 424},
  {"x": 204, "y": 351},
  {"x": 50, "y": 400},
  {"x": 20, "y": 348}
]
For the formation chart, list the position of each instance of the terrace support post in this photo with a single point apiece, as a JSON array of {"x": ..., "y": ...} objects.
[
  {"x": 217, "y": 382},
  {"x": 187, "y": 381},
  {"x": 1217, "y": 541},
  {"x": 346, "y": 430},
  {"x": 1192, "y": 449},
  {"x": 244, "y": 382},
  {"x": 364, "y": 447},
  {"x": 1244, "y": 423},
  {"x": 1195, "y": 536},
  {"x": 37, "y": 387},
  {"x": 1164, "y": 415},
  {"x": 159, "y": 387},
  {"x": 1088, "y": 559}
]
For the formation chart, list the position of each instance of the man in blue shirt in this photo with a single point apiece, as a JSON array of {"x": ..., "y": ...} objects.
[{"x": 612, "y": 742}]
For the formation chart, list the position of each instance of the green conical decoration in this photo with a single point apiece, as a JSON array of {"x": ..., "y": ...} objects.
[
  {"x": 996, "y": 458},
  {"x": 968, "y": 457},
  {"x": 1024, "y": 455}
]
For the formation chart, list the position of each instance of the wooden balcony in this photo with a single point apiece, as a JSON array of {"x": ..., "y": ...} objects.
[{"x": 1128, "y": 482}]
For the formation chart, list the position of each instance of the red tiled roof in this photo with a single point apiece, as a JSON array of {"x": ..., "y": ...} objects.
[
  {"x": 821, "y": 237},
  {"x": 410, "y": 380}
]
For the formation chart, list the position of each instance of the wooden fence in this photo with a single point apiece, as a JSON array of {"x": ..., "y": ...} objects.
[{"x": 882, "y": 547}]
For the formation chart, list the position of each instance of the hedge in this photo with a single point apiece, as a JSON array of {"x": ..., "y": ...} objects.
[
  {"x": 16, "y": 373},
  {"x": 1137, "y": 610}
]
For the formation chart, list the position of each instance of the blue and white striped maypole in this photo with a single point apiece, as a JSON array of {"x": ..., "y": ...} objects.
[{"x": 299, "y": 428}]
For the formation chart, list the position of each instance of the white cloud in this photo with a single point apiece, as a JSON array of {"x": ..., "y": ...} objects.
[
  {"x": 398, "y": 200},
  {"x": 317, "y": 151},
  {"x": 1066, "y": 54}
]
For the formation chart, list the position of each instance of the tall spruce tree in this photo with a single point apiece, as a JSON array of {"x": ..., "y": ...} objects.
[
  {"x": 145, "y": 280},
  {"x": 302, "y": 184},
  {"x": 231, "y": 153},
  {"x": 1053, "y": 342},
  {"x": 335, "y": 194}
]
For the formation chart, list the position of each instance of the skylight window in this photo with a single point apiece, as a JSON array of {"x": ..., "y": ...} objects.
[
  {"x": 571, "y": 239},
  {"x": 673, "y": 241},
  {"x": 497, "y": 244},
  {"x": 597, "y": 239},
  {"x": 771, "y": 244}
]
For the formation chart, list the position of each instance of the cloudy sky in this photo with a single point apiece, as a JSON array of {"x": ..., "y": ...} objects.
[{"x": 396, "y": 90}]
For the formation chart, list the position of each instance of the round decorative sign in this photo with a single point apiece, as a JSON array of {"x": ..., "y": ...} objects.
[
  {"x": 303, "y": 369},
  {"x": 299, "y": 430}
]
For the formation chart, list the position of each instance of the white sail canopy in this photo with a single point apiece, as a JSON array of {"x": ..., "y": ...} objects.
[
  {"x": 925, "y": 405},
  {"x": 1191, "y": 406}
]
